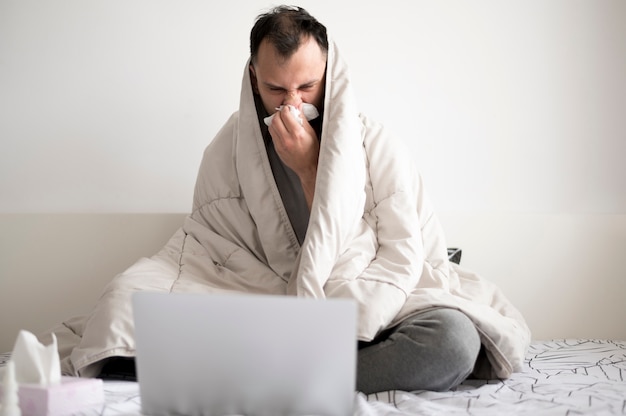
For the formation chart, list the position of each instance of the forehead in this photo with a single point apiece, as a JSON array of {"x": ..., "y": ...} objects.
[{"x": 307, "y": 64}]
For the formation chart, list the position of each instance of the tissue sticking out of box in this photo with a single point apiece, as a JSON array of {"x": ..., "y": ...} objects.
[
  {"x": 36, "y": 363},
  {"x": 309, "y": 111},
  {"x": 9, "y": 405}
]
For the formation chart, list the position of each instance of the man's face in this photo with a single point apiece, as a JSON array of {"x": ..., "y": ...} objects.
[{"x": 297, "y": 80}]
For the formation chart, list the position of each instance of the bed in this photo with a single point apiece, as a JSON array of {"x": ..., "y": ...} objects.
[{"x": 560, "y": 377}]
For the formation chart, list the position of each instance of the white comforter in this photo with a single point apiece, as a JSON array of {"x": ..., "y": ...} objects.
[{"x": 372, "y": 236}]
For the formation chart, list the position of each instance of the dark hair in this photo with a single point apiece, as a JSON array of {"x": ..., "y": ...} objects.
[{"x": 285, "y": 27}]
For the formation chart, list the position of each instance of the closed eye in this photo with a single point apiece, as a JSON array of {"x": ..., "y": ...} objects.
[{"x": 280, "y": 90}]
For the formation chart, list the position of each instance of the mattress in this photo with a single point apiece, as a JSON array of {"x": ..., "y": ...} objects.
[{"x": 560, "y": 377}]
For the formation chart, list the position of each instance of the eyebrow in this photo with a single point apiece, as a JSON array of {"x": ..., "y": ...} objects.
[{"x": 306, "y": 84}]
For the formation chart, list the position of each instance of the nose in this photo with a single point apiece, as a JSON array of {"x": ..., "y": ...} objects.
[{"x": 292, "y": 98}]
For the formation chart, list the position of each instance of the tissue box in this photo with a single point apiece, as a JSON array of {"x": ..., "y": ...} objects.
[{"x": 71, "y": 395}]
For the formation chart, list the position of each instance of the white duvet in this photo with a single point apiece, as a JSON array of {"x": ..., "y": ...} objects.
[{"x": 372, "y": 236}]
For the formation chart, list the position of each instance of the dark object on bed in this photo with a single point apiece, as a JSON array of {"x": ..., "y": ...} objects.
[
  {"x": 119, "y": 368},
  {"x": 454, "y": 255}
]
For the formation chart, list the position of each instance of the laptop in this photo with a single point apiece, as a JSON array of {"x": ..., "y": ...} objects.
[{"x": 210, "y": 354}]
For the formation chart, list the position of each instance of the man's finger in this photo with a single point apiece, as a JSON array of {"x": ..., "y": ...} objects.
[{"x": 289, "y": 119}]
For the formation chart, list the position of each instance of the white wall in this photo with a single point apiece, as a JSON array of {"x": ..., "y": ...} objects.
[
  {"x": 508, "y": 106},
  {"x": 514, "y": 111}
]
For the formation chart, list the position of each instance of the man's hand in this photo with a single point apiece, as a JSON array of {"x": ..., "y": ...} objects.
[{"x": 297, "y": 146}]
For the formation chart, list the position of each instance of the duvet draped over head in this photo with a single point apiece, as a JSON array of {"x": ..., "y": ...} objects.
[{"x": 372, "y": 236}]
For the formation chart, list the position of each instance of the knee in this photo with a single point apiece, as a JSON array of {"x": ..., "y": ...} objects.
[
  {"x": 459, "y": 344},
  {"x": 454, "y": 343},
  {"x": 459, "y": 338}
]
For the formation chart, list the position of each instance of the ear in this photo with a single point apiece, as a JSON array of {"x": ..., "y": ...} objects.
[{"x": 253, "y": 80}]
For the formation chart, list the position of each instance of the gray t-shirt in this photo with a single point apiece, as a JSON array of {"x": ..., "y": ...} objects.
[
  {"x": 286, "y": 179},
  {"x": 290, "y": 190}
]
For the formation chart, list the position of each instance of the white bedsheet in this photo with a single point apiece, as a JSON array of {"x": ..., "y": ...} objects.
[{"x": 567, "y": 377}]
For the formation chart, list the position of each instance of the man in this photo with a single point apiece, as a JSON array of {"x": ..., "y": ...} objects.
[
  {"x": 435, "y": 350},
  {"x": 319, "y": 204}
]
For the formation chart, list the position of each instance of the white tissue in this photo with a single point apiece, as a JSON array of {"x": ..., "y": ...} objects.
[
  {"x": 309, "y": 110},
  {"x": 10, "y": 398},
  {"x": 34, "y": 362}
]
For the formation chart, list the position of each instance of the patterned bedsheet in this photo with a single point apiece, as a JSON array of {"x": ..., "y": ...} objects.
[{"x": 566, "y": 377}]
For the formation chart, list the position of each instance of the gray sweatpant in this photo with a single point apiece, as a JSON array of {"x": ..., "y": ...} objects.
[{"x": 432, "y": 350}]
